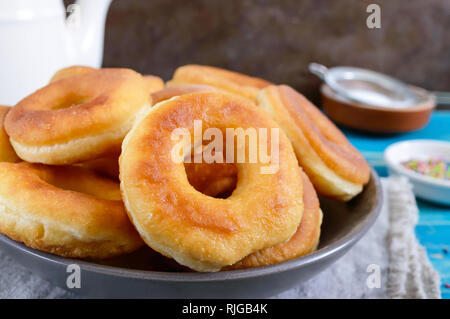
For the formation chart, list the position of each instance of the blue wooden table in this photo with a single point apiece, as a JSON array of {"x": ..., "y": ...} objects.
[{"x": 433, "y": 229}]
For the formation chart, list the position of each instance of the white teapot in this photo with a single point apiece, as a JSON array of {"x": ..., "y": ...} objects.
[{"x": 36, "y": 41}]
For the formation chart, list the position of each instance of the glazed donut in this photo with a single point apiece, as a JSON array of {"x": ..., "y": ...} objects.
[
  {"x": 333, "y": 165},
  {"x": 70, "y": 71},
  {"x": 199, "y": 231},
  {"x": 179, "y": 89},
  {"x": 228, "y": 81},
  {"x": 77, "y": 118},
  {"x": 7, "y": 153},
  {"x": 107, "y": 166},
  {"x": 304, "y": 241},
  {"x": 64, "y": 210}
]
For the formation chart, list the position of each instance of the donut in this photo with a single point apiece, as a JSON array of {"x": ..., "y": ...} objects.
[
  {"x": 154, "y": 83},
  {"x": 199, "y": 231},
  {"x": 304, "y": 241},
  {"x": 107, "y": 166},
  {"x": 334, "y": 166},
  {"x": 7, "y": 153},
  {"x": 225, "y": 80},
  {"x": 70, "y": 71},
  {"x": 64, "y": 210},
  {"x": 77, "y": 118},
  {"x": 179, "y": 89}
]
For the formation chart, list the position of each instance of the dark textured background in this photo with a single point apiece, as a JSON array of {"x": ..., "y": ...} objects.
[{"x": 277, "y": 39}]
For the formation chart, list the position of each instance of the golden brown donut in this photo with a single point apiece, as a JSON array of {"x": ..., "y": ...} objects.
[
  {"x": 108, "y": 165},
  {"x": 64, "y": 210},
  {"x": 155, "y": 83},
  {"x": 71, "y": 71},
  {"x": 304, "y": 241},
  {"x": 199, "y": 231},
  {"x": 77, "y": 118},
  {"x": 333, "y": 165},
  {"x": 228, "y": 81},
  {"x": 7, "y": 153},
  {"x": 179, "y": 89}
]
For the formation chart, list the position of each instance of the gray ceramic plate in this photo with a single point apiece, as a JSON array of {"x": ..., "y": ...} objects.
[{"x": 141, "y": 275}]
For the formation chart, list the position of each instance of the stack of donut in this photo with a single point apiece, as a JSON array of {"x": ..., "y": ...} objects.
[{"x": 87, "y": 169}]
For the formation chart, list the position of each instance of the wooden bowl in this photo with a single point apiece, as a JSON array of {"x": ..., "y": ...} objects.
[{"x": 376, "y": 119}]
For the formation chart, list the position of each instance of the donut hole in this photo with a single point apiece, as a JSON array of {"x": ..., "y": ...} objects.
[
  {"x": 69, "y": 100},
  {"x": 216, "y": 180}
]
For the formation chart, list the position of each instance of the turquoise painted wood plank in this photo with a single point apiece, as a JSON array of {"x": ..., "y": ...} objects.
[
  {"x": 431, "y": 213},
  {"x": 372, "y": 146},
  {"x": 435, "y": 239},
  {"x": 433, "y": 232},
  {"x": 437, "y": 129},
  {"x": 433, "y": 229}
]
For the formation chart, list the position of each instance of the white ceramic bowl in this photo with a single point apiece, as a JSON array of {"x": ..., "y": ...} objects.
[{"x": 425, "y": 187}]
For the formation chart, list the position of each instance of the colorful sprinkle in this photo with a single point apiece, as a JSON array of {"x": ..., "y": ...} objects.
[{"x": 435, "y": 168}]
